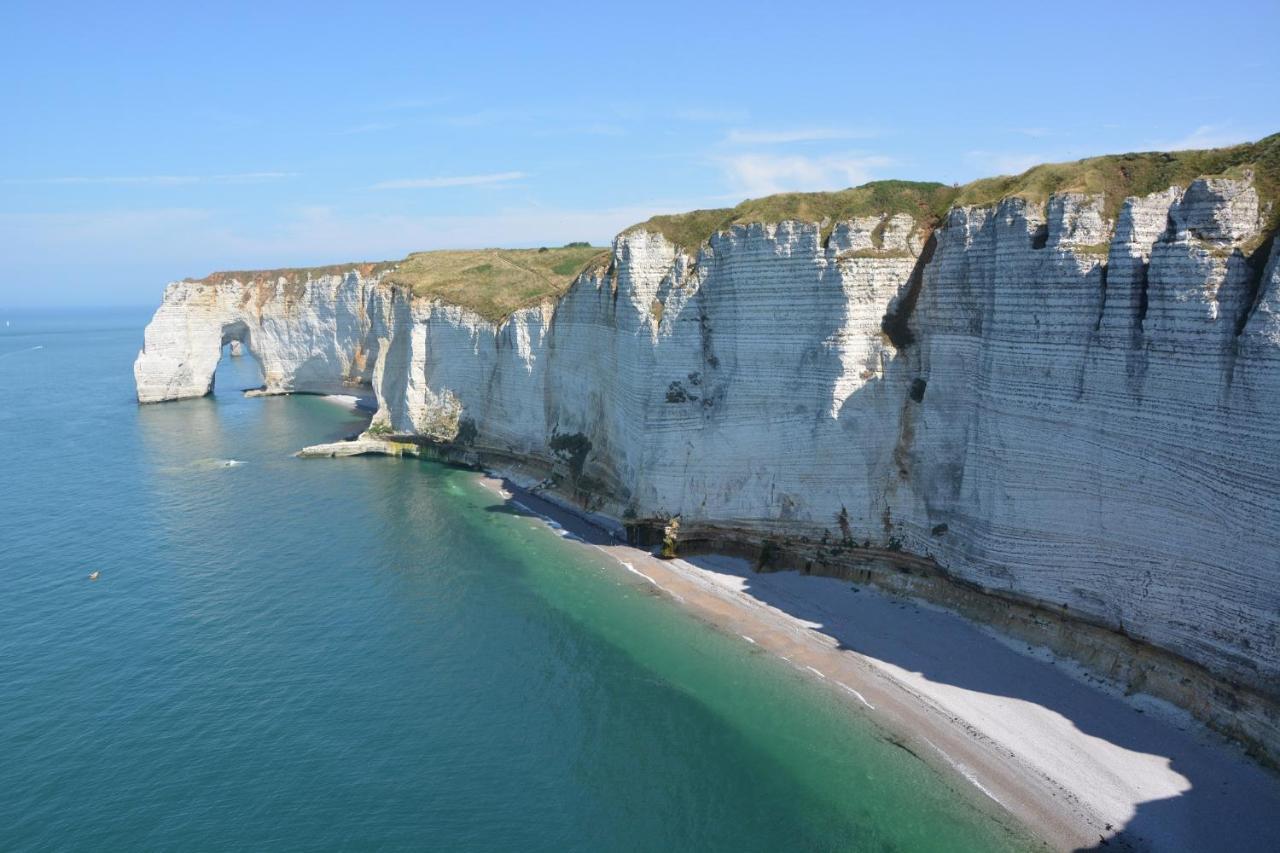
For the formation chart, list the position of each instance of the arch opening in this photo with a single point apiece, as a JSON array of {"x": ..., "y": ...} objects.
[{"x": 238, "y": 366}]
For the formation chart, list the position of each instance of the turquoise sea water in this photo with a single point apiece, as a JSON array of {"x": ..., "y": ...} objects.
[{"x": 370, "y": 653}]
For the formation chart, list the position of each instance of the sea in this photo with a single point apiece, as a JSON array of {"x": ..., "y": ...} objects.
[{"x": 372, "y": 653}]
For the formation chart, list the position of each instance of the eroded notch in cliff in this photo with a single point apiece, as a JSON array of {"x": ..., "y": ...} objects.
[
  {"x": 704, "y": 333},
  {"x": 1102, "y": 295},
  {"x": 1040, "y": 237},
  {"x": 571, "y": 448},
  {"x": 1257, "y": 266},
  {"x": 1143, "y": 275},
  {"x": 896, "y": 323}
]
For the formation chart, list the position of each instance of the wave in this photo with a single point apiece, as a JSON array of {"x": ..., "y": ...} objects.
[{"x": 20, "y": 351}]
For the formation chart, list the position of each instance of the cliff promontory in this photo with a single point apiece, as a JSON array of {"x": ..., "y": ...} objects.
[{"x": 1058, "y": 393}]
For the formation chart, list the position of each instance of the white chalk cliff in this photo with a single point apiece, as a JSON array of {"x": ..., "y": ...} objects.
[{"x": 1078, "y": 413}]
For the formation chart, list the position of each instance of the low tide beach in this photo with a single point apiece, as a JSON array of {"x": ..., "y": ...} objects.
[{"x": 1033, "y": 735}]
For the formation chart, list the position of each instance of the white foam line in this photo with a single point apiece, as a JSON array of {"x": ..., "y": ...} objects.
[
  {"x": 977, "y": 784},
  {"x": 564, "y": 533},
  {"x": 964, "y": 771},
  {"x": 631, "y": 568},
  {"x": 861, "y": 698},
  {"x": 556, "y": 526}
]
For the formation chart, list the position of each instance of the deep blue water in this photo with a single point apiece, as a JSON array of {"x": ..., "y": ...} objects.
[{"x": 369, "y": 653}]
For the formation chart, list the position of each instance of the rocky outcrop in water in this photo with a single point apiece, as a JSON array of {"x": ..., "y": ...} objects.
[{"x": 1073, "y": 412}]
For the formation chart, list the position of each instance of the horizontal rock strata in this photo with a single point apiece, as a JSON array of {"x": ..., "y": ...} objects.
[{"x": 1074, "y": 413}]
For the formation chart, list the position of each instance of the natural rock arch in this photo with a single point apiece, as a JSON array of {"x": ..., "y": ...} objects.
[{"x": 180, "y": 353}]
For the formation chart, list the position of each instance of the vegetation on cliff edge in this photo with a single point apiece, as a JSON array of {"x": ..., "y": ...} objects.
[
  {"x": 1115, "y": 176},
  {"x": 497, "y": 282},
  {"x": 492, "y": 282}
]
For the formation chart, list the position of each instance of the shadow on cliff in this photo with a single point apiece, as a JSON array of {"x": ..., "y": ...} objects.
[
  {"x": 1226, "y": 801},
  {"x": 1230, "y": 803}
]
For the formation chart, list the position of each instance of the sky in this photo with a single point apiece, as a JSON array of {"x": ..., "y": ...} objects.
[{"x": 146, "y": 142}]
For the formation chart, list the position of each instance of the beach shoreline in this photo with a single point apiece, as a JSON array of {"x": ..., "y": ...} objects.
[{"x": 1071, "y": 761}]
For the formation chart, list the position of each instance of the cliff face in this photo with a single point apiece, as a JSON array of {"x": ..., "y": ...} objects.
[{"x": 1076, "y": 412}]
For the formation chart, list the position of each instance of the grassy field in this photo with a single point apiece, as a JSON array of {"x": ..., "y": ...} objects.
[{"x": 496, "y": 282}]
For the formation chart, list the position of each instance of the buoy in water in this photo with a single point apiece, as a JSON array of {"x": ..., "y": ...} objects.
[{"x": 93, "y": 576}]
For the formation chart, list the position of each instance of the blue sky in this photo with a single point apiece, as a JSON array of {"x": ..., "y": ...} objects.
[{"x": 152, "y": 142}]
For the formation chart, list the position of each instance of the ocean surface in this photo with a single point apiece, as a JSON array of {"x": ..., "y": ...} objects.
[{"x": 371, "y": 653}]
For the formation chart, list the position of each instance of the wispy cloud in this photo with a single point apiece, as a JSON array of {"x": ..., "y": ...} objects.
[
  {"x": 711, "y": 116},
  {"x": 1033, "y": 132},
  {"x": 796, "y": 134},
  {"x": 597, "y": 129},
  {"x": 764, "y": 174},
  {"x": 241, "y": 178},
  {"x": 1205, "y": 136},
  {"x": 409, "y": 104},
  {"x": 989, "y": 163},
  {"x": 484, "y": 118},
  {"x": 449, "y": 181},
  {"x": 183, "y": 241},
  {"x": 367, "y": 127},
  {"x": 133, "y": 252}
]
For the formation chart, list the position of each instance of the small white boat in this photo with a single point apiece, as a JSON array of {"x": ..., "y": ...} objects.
[{"x": 93, "y": 576}]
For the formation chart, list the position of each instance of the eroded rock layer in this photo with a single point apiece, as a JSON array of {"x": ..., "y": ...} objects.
[{"x": 1071, "y": 411}]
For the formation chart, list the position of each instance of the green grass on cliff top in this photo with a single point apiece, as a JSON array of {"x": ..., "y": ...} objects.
[
  {"x": 496, "y": 282},
  {"x": 492, "y": 282},
  {"x": 1115, "y": 176}
]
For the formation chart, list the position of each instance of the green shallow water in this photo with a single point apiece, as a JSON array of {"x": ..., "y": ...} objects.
[{"x": 371, "y": 653}]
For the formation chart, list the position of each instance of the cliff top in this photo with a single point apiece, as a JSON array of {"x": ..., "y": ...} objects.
[
  {"x": 496, "y": 282},
  {"x": 492, "y": 282},
  {"x": 1115, "y": 176}
]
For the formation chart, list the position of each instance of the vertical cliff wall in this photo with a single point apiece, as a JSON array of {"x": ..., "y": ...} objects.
[{"x": 1075, "y": 410}]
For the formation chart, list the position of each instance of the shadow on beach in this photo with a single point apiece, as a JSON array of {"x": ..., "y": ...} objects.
[{"x": 1231, "y": 804}]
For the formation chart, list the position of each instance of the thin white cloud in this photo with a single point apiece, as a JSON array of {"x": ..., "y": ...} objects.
[
  {"x": 322, "y": 232},
  {"x": 130, "y": 254},
  {"x": 177, "y": 242},
  {"x": 597, "y": 129},
  {"x": 1033, "y": 132},
  {"x": 1205, "y": 136},
  {"x": 241, "y": 178},
  {"x": 367, "y": 127},
  {"x": 991, "y": 163},
  {"x": 449, "y": 181},
  {"x": 798, "y": 134},
  {"x": 711, "y": 116},
  {"x": 765, "y": 174},
  {"x": 409, "y": 104},
  {"x": 484, "y": 118}
]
